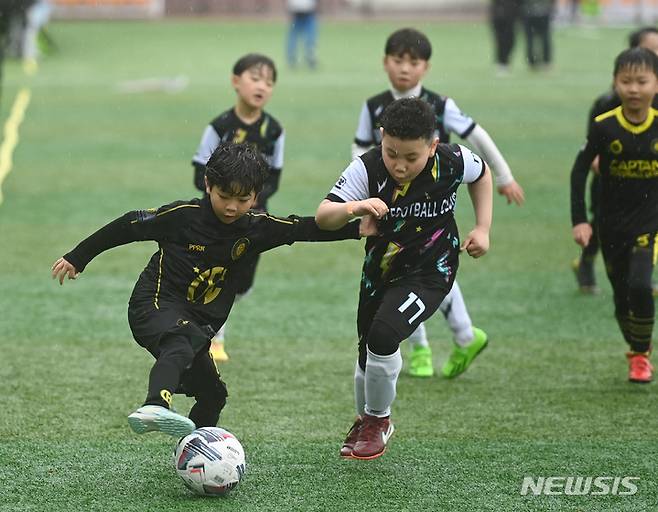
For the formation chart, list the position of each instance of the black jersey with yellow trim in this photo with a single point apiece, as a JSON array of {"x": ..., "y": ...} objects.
[
  {"x": 628, "y": 166},
  {"x": 419, "y": 234},
  {"x": 265, "y": 134},
  {"x": 609, "y": 101},
  {"x": 262, "y": 133},
  {"x": 378, "y": 103},
  {"x": 199, "y": 258}
]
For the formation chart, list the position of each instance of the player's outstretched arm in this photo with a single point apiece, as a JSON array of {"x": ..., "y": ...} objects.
[
  {"x": 476, "y": 244},
  {"x": 506, "y": 185},
  {"x": 333, "y": 215},
  {"x": 62, "y": 269}
]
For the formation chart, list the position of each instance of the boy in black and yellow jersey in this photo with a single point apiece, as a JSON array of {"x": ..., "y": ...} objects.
[
  {"x": 254, "y": 77},
  {"x": 626, "y": 140},
  {"x": 186, "y": 291},
  {"x": 645, "y": 37}
]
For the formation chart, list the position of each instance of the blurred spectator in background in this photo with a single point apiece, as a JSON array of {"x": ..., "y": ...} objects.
[
  {"x": 10, "y": 10},
  {"x": 536, "y": 16},
  {"x": 35, "y": 38},
  {"x": 574, "y": 12},
  {"x": 27, "y": 37},
  {"x": 304, "y": 25},
  {"x": 504, "y": 15}
]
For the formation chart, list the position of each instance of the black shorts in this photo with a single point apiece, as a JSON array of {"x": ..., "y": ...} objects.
[
  {"x": 402, "y": 305},
  {"x": 149, "y": 325},
  {"x": 618, "y": 250}
]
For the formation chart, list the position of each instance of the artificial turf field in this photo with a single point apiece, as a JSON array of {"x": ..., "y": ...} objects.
[{"x": 549, "y": 397}]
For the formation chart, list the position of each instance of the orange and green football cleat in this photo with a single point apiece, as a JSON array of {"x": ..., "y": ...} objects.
[
  {"x": 640, "y": 369},
  {"x": 462, "y": 357}
]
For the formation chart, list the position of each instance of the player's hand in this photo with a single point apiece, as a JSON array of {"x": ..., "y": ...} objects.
[
  {"x": 582, "y": 233},
  {"x": 513, "y": 192},
  {"x": 476, "y": 243},
  {"x": 373, "y": 206},
  {"x": 62, "y": 268},
  {"x": 368, "y": 226}
]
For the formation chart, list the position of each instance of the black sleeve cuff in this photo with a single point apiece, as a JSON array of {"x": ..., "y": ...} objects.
[
  {"x": 482, "y": 172},
  {"x": 468, "y": 131},
  {"x": 363, "y": 143},
  {"x": 334, "y": 198}
]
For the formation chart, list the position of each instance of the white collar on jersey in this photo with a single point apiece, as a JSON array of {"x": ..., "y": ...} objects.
[{"x": 411, "y": 93}]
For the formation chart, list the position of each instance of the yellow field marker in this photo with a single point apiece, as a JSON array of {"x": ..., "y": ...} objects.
[{"x": 10, "y": 140}]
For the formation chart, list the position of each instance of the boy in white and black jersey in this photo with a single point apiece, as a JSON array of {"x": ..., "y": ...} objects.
[
  {"x": 406, "y": 60},
  {"x": 409, "y": 184},
  {"x": 254, "y": 76}
]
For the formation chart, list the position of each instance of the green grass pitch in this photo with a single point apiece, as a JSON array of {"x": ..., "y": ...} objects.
[{"x": 549, "y": 397}]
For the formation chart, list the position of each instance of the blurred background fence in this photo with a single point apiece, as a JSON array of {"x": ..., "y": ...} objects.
[{"x": 608, "y": 12}]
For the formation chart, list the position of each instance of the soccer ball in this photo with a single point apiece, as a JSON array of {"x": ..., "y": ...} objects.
[{"x": 210, "y": 461}]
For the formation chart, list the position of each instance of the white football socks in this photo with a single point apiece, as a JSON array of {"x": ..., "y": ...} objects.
[
  {"x": 381, "y": 378},
  {"x": 418, "y": 338},
  {"x": 359, "y": 389},
  {"x": 454, "y": 309}
]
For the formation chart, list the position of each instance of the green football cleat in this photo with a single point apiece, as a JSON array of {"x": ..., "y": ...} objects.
[
  {"x": 462, "y": 357},
  {"x": 154, "y": 418},
  {"x": 421, "y": 362}
]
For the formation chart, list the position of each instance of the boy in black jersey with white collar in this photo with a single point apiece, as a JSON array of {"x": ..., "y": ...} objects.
[
  {"x": 406, "y": 61},
  {"x": 254, "y": 76},
  {"x": 186, "y": 291},
  {"x": 626, "y": 141},
  {"x": 410, "y": 183}
]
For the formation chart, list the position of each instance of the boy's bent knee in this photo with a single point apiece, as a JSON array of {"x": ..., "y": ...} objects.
[
  {"x": 382, "y": 339},
  {"x": 178, "y": 349}
]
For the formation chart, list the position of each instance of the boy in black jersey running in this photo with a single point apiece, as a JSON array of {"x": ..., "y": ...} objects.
[
  {"x": 186, "y": 291},
  {"x": 626, "y": 142},
  {"x": 406, "y": 61},
  {"x": 254, "y": 76},
  {"x": 410, "y": 183},
  {"x": 583, "y": 267}
]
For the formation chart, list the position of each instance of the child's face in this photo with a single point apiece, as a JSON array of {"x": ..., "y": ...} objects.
[
  {"x": 405, "y": 159},
  {"x": 404, "y": 71},
  {"x": 254, "y": 86},
  {"x": 636, "y": 86},
  {"x": 228, "y": 207}
]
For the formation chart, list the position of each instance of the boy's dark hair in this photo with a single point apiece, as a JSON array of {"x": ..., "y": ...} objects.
[
  {"x": 635, "y": 38},
  {"x": 254, "y": 60},
  {"x": 636, "y": 57},
  {"x": 237, "y": 169},
  {"x": 411, "y": 41},
  {"x": 409, "y": 119}
]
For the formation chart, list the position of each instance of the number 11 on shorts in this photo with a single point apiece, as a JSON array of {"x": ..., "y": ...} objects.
[{"x": 412, "y": 299}]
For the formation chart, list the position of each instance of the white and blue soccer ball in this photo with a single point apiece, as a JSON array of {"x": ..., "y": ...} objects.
[{"x": 210, "y": 461}]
